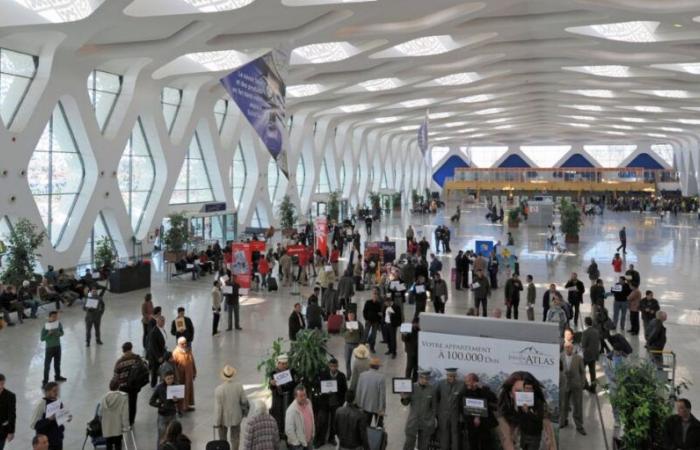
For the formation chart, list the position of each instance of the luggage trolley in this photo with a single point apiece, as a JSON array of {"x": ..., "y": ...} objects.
[{"x": 665, "y": 360}]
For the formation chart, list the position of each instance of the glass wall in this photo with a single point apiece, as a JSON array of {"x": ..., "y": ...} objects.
[
  {"x": 239, "y": 174},
  {"x": 341, "y": 178},
  {"x": 193, "y": 184},
  {"x": 273, "y": 179},
  {"x": 97, "y": 234},
  {"x": 610, "y": 155},
  {"x": 17, "y": 71},
  {"x": 324, "y": 183},
  {"x": 56, "y": 174},
  {"x": 545, "y": 155},
  {"x": 220, "y": 112},
  {"x": 170, "y": 100},
  {"x": 136, "y": 174},
  {"x": 103, "y": 88},
  {"x": 301, "y": 175}
]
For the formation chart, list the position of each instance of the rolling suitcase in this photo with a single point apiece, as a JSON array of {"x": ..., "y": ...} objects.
[
  {"x": 272, "y": 284},
  {"x": 335, "y": 321},
  {"x": 377, "y": 438},
  {"x": 217, "y": 444}
]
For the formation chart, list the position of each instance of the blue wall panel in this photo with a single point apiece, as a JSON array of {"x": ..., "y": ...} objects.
[
  {"x": 577, "y": 160},
  {"x": 514, "y": 161},
  {"x": 646, "y": 161},
  {"x": 447, "y": 169}
]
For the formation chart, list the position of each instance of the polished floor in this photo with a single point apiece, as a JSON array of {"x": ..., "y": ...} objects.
[{"x": 665, "y": 251}]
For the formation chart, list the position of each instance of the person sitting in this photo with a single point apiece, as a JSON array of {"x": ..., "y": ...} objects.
[
  {"x": 7, "y": 306},
  {"x": 47, "y": 294},
  {"x": 27, "y": 300},
  {"x": 205, "y": 264}
]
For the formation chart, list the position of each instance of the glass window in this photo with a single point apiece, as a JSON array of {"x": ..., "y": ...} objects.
[
  {"x": 384, "y": 184},
  {"x": 324, "y": 182},
  {"x": 273, "y": 179},
  {"x": 97, "y": 234},
  {"x": 301, "y": 175},
  {"x": 610, "y": 155},
  {"x": 665, "y": 152},
  {"x": 193, "y": 184},
  {"x": 170, "y": 99},
  {"x": 437, "y": 153},
  {"x": 259, "y": 220},
  {"x": 484, "y": 156},
  {"x": 136, "y": 174},
  {"x": 56, "y": 174},
  {"x": 359, "y": 174},
  {"x": 103, "y": 88},
  {"x": 239, "y": 174},
  {"x": 220, "y": 112},
  {"x": 342, "y": 176},
  {"x": 17, "y": 71},
  {"x": 545, "y": 155}
]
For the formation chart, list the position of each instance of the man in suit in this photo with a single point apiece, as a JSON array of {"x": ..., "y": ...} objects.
[
  {"x": 232, "y": 301},
  {"x": 371, "y": 393},
  {"x": 182, "y": 327},
  {"x": 571, "y": 381},
  {"x": 156, "y": 348},
  {"x": 682, "y": 430},
  {"x": 328, "y": 404},
  {"x": 296, "y": 322},
  {"x": 547, "y": 299},
  {"x": 590, "y": 344}
]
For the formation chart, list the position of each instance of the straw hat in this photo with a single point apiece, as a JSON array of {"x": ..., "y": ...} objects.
[
  {"x": 375, "y": 361},
  {"x": 228, "y": 372},
  {"x": 361, "y": 352}
]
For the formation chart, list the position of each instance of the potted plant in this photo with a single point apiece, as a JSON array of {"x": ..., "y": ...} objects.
[
  {"x": 570, "y": 221},
  {"x": 641, "y": 399},
  {"x": 308, "y": 357},
  {"x": 104, "y": 254},
  {"x": 513, "y": 217},
  {"x": 287, "y": 215},
  {"x": 334, "y": 205},
  {"x": 177, "y": 237},
  {"x": 268, "y": 365},
  {"x": 23, "y": 242},
  {"x": 415, "y": 197},
  {"x": 374, "y": 201}
]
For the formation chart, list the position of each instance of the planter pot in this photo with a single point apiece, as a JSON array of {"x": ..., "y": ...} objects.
[{"x": 571, "y": 238}]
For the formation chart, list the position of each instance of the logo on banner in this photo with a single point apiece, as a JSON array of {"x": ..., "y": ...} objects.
[{"x": 530, "y": 356}]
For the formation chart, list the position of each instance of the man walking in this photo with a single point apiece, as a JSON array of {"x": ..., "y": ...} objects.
[
  {"x": 590, "y": 344},
  {"x": 371, "y": 393},
  {"x": 8, "y": 414},
  {"x": 372, "y": 313},
  {"x": 481, "y": 289},
  {"x": 571, "y": 382},
  {"x": 157, "y": 347},
  {"x": 420, "y": 424},
  {"x": 447, "y": 396},
  {"x": 51, "y": 334},
  {"x": 94, "y": 308},
  {"x": 122, "y": 368},
  {"x": 351, "y": 425},
  {"x": 299, "y": 422},
  {"x": 623, "y": 241},
  {"x": 232, "y": 298},
  {"x": 575, "y": 289},
  {"x": 333, "y": 386}
]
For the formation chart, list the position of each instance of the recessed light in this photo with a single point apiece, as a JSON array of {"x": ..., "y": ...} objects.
[
  {"x": 579, "y": 125},
  {"x": 585, "y": 107},
  {"x": 389, "y": 119},
  {"x": 380, "y": 84},
  {"x": 498, "y": 120},
  {"x": 441, "y": 115},
  {"x": 612, "y": 71},
  {"x": 454, "y": 124},
  {"x": 672, "y": 129},
  {"x": 657, "y": 135},
  {"x": 601, "y": 93},
  {"x": 622, "y": 127},
  {"x": 323, "y": 52},
  {"x": 669, "y": 93},
  {"x": 409, "y": 127},
  {"x": 355, "y": 108},
  {"x": 416, "y": 103},
  {"x": 633, "y": 119},
  {"x": 457, "y": 79},
  {"x": 489, "y": 111},
  {"x": 588, "y": 118},
  {"x": 426, "y": 46},
  {"x": 304, "y": 90},
  {"x": 475, "y": 98}
]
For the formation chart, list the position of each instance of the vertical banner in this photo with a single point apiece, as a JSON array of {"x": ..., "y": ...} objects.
[
  {"x": 321, "y": 233},
  {"x": 242, "y": 264},
  {"x": 259, "y": 91},
  {"x": 423, "y": 138}
]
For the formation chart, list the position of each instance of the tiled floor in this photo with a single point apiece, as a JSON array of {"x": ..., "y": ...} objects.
[{"x": 665, "y": 251}]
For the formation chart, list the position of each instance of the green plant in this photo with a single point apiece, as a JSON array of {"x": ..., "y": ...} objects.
[
  {"x": 268, "y": 365},
  {"x": 642, "y": 402},
  {"x": 570, "y": 218},
  {"x": 287, "y": 212},
  {"x": 415, "y": 197},
  {"x": 334, "y": 205},
  {"x": 308, "y": 356},
  {"x": 104, "y": 253},
  {"x": 21, "y": 253},
  {"x": 177, "y": 237},
  {"x": 374, "y": 200},
  {"x": 514, "y": 215}
]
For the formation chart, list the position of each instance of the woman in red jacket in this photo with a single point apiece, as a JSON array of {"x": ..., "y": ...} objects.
[{"x": 617, "y": 263}]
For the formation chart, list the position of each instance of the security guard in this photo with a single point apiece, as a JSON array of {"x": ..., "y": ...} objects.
[
  {"x": 448, "y": 393},
  {"x": 420, "y": 424}
]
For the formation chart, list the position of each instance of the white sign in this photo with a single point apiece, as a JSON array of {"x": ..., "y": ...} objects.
[
  {"x": 406, "y": 327},
  {"x": 243, "y": 291},
  {"x": 476, "y": 285},
  {"x": 524, "y": 399},
  {"x": 329, "y": 386},
  {"x": 352, "y": 325},
  {"x": 328, "y": 268},
  {"x": 227, "y": 289},
  {"x": 572, "y": 289},
  {"x": 224, "y": 279},
  {"x": 402, "y": 385},
  {"x": 92, "y": 303},
  {"x": 63, "y": 416},
  {"x": 175, "y": 391},
  {"x": 401, "y": 287},
  {"x": 420, "y": 289},
  {"x": 52, "y": 408},
  {"x": 52, "y": 325},
  {"x": 476, "y": 407},
  {"x": 617, "y": 288},
  {"x": 394, "y": 285},
  {"x": 282, "y": 378},
  {"x": 189, "y": 266}
]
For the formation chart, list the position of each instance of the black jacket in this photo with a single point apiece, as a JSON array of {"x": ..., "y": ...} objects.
[
  {"x": 336, "y": 399},
  {"x": 656, "y": 335},
  {"x": 673, "y": 434},
  {"x": 296, "y": 324},
  {"x": 156, "y": 345},
  {"x": 160, "y": 400},
  {"x": 351, "y": 427},
  {"x": 372, "y": 311},
  {"x": 575, "y": 297},
  {"x": 410, "y": 341},
  {"x": 8, "y": 413},
  {"x": 233, "y": 298},
  {"x": 623, "y": 294},
  {"x": 50, "y": 428},
  {"x": 188, "y": 333},
  {"x": 649, "y": 308},
  {"x": 314, "y": 316}
]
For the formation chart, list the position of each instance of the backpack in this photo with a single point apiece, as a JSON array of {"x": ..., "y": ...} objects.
[
  {"x": 94, "y": 426},
  {"x": 138, "y": 375}
]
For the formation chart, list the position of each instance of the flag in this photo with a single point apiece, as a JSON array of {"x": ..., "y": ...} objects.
[{"x": 423, "y": 137}]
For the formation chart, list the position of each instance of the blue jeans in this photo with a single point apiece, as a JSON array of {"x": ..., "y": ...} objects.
[
  {"x": 620, "y": 309},
  {"x": 372, "y": 335},
  {"x": 33, "y": 305}
]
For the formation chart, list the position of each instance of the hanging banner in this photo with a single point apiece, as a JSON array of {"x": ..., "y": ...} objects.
[
  {"x": 259, "y": 91},
  {"x": 321, "y": 234},
  {"x": 423, "y": 137},
  {"x": 300, "y": 252}
]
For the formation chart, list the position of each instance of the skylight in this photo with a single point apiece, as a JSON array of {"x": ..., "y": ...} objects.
[
  {"x": 60, "y": 11},
  {"x": 687, "y": 121},
  {"x": 484, "y": 156},
  {"x": 585, "y": 107},
  {"x": 323, "y": 52},
  {"x": 218, "y": 5},
  {"x": 503, "y": 127},
  {"x": 416, "y": 103},
  {"x": 588, "y": 118},
  {"x": 389, "y": 119},
  {"x": 636, "y": 31},
  {"x": 355, "y": 108},
  {"x": 457, "y": 79},
  {"x": 380, "y": 84},
  {"x": 475, "y": 98},
  {"x": 657, "y": 135},
  {"x": 610, "y": 155},
  {"x": 454, "y": 124},
  {"x": 219, "y": 60},
  {"x": 579, "y": 125},
  {"x": 498, "y": 120},
  {"x": 668, "y": 93},
  {"x": 616, "y": 133},
  {"x": 672, "y": 129},
  {"x": 622, "y": 127},
  {"x": 426, "y": 46},
  {"x": 601, "y": 93},
  {"x": 489, "y": 111},
  {"x": 633, "y": 119},
  {"x": 441, "y": 115},
  {"x": 304, "y": 90},
  {"x": 649, "y": 109},
  {"x": 602, "y": 71},
  {"x": 545, "y": 155},
  {"x": 693, "y": 68},
  {"x": 409, "y": 127}
]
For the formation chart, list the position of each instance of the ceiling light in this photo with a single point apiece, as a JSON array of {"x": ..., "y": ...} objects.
[
  {"x": 304, "y": 90},
  {"x": 218, "y": 5},
  {"x": 498, "y": 120},
  {"x": 693, "y": 68},
  {"x": 441, "y": 115},
  {"x": 475, "y": 98},
  {"x": 442, "y": 138},
  {"x": 669, "y": 93},
  {"x": 687, "y": 121},
  {"x": 425, "y": 46},
  {"x": 323, "y": 52},
  {"x": 478, "y": 135},
  {"x": 616, "y": 133},
  {"x": 410, "y": 127},
  {"x": 355, "y": 108},
  {"x": 672, "y": 129},
  {"x": 458, "y": 78},
  {"x": 657, "y": 135},
  {"x": 416, "y": 103},
  {"x": 622, "y": 127},
  {"x": 60, "y": 11},
  {"x": 633, "y": 119},
  {"x": 466, "y": 130},
  {"x": 454, "y": 124},
  {"x": 380, "y": 84},
  {"x": 585, "y": 107},
  {"x": 489, "y": 111},
  {"x": 503, "y": 127},
  {"x": 651, "y": 109},
  {"x": 602, "y": 93},
  {"x": 579, "y": 125},
  {"x": 602, "y": 71},
  {"x": 636, "y": 31},
  {"x": 219, "y": 60},
  {"x": 389, "y": 119},
  {"x": 589, "y": 118}
]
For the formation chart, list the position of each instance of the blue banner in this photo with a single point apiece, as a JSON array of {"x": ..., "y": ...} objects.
[{"x": 259, "y": 91}]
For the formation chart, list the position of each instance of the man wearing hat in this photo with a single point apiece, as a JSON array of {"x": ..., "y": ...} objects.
[
  {"x": 421, "y": 421},
  {"x": 282, "y": 395},
  {"x": 329, "y": 402},
  {"x": 359, "y": 364},
  {"x": 230, "y": 405},
  {"x": 447, "y": 396},
  {"x": 371, "y": 393}
]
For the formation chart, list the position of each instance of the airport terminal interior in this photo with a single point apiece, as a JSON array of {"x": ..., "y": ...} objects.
[{"x": 191, "y": 149}]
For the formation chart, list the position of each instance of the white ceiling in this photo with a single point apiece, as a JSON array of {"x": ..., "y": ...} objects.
[{"x": 534, "y": 71}]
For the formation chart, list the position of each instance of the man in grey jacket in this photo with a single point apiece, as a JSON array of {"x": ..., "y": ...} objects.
[
  {"x": 571, "y": 380},
  {"x": 346, "y": 288},
  {"x": 421, "y": 421},
  {"x": 481, "y": 288},
  {"x": 299, "y": 423},
  {"x": 94, "y": 308},
  {"x": 448, "y": 393},
  {"x": 371, "y": 393}
]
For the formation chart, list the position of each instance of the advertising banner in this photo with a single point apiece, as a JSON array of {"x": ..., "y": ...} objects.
[
  {"x": 242, "y": 258},
  {"x": 483, "y": 248},
  {"x": 300, "y": 251},
  {"x": 259, "y": 91},
  {"x": 389, "y": 249},
  {"x": 321, "y": 233},
  {"x": 423, "y": 137}
]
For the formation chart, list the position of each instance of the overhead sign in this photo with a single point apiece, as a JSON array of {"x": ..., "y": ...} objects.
[{"x": 214, "y": 207}]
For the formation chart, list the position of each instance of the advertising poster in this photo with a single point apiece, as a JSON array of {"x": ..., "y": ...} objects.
[
  {"x": 389, "y": 249},
  {"x": 300, "y": 251},
  {"x": 242, "y": 258},
  {"x": 321, "y": 234},
  {"x": 483, "y": 248},
  {"x": 259, "y": 91}
]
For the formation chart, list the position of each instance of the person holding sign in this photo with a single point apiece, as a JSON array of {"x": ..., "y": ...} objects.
[
  {"x": 481, "y": 288},
  {"x": 114, "y": 414},
  {"x": 281, "y": 381},
  {"x": 447, "y": 394},
  {"x": 166, "y": 404},
  {"x": 333, "y": 385},
  {"x": 44, "y": 418},
  {"x": 392, "y": 318},
  {"x": 418, "y": 291},
  {"x": 216, "y": 300},
  {"x": 353, "y": 333},
  {"x": 621, "y": 291},
  {"x": 94, "y": 308},
  {"x": 51, "y": 334},
  {"x": 182, "y": 326},
  {"x": 438, "y": 293},
  {"x": 232, "y": 297},
  {"x": 478, "y": 405},
  {"x": 513, "y": 289},
  {"x": 186, "y": 372},
  {"x": 575, "y": 289},
  {"x": 421, "y": 421}
]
